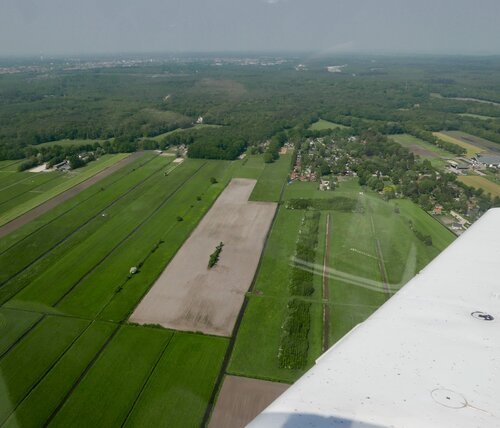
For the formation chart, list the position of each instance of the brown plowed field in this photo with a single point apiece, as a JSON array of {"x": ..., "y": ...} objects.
[
  {"x": 241, "y": 399},
  {"x": 191, "y": 297}
]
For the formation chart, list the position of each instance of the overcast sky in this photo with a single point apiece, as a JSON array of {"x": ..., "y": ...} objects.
[{"x": 113, "y": 26}]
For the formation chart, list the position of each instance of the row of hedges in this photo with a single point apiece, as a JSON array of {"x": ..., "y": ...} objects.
[
  {"x": 294, "y": 344},
  {"x": 338, "y": 203},
  {"x": 292, "y": 353},
  {"x": 301, "y": 281}
]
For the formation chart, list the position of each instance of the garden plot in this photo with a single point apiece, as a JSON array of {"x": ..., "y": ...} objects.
[{"x": 190, "y": 296}]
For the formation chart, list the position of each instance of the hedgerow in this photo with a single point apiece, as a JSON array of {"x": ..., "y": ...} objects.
[{"x": 292, "y": 353}]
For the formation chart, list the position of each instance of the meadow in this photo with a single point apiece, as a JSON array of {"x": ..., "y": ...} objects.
[
  {"x": 66, "y": 294},
  {"x": 481, "y": 183},
  {"x": 472, "y": 149},
  {"x": 272, "y": 179},
  {"x": 59, "y": 184},
  {"x": 423, "y": 149},
  {"x": 67, "y": 273},
  {"x": 373, "y": 252},
  {"x": 322, "y": 124}
]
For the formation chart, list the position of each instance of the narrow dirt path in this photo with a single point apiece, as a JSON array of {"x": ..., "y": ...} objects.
[
  {"x": 64, "y": 196},
  {"x": 326, "y": 290}
]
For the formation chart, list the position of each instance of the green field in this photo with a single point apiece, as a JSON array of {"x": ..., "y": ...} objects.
[
  {"x": 423, "y": 149},
  {"x": 55, "y": 263},
  {"x": 472, "y": 149},
  {"x": 67, "y": 142},
  {"x": 78, "y": 376},
  {"x": 481, "y": 183},
  {"x": 322, "y": 124},
  {"x": 480, "y": 143},
  {"x": 160, "y": 137},
  {"x": 57, "y": 185},
  {"x": 477, "y": 116},
  {"x": 356, "y": 284},
  {"x": 66, "y": 291},
  {"x": 271, "y": 180}
]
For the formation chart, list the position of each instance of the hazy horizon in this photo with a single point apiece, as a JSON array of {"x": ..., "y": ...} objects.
[{"x": 57, "y": 27}]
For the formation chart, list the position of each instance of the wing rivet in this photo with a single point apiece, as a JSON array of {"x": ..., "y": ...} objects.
[{"x": 483, "y": 316}]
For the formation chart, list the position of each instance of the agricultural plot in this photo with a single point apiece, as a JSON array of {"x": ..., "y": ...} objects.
[
  {"x": 242, "y": 399},
  {"x": 322, "y": 124},
  {"x": 481, "y": 183},
  {"x": 423, "y": 149},
  {"x": 91, "y": 373},
  {"x": 39, "y": 250},
  {"x": 71, "y": 260},
  {"x": 483, "y": 144},
  {"x": 373, "y": 252},
  {"x": 477, "y": 116},
  {"x": 191, "y": 296},
  {"x": 67, "y": 182},
  {"x": 67, "y": 142},
  {"x": 472, "y": 149},
  {"x": 272, "y": 180},
  {"x": 127, "y": 233}
]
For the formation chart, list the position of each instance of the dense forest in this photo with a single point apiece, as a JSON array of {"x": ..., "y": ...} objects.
[{"x": 130, "y": 108}]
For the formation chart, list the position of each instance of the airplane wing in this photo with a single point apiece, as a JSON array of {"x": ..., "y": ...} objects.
[{"x": 429, "y": 357}]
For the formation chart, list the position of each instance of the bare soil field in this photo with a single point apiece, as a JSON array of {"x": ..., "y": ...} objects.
[
  {"x": 241, "y": 399},
  {"x": 191, "y": 297},
  {"x": 64, "y": 196}
]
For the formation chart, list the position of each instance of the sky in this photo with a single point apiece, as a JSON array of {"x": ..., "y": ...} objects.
[{"x": 43, "y": 27}]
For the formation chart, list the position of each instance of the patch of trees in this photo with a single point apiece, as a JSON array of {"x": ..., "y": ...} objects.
[
  {"x": 338, "y": 203},
  {"x": 272, "y": 152},
  {"x": 214, "y": 257}
]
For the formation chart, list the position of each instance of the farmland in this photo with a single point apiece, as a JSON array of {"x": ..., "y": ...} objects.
[
  {"x": 361, "y": 241},
  {"x": 481, "y": 143},
  {"x": 322, "y": 124},
  {"x": 472, "y": 149},
  {"x": 74, "y": 261},
  {"x": 423, "y": 149},
  {"x": 52, "y": 184},
  {"x": 188, "y": 296},
  {"x": 481, "y": 183}
]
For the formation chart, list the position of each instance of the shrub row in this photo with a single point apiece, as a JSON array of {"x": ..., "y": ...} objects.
[
  {"x": 339, "y": 203},
  {"x": 292, "y": 353},
  {"x": 301, "y": 281}
]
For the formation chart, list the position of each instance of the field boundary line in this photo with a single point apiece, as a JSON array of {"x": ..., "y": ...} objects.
[
  {"x": 126, "y": 238},
  {"x": 20, "y": 338},
  {"x": 59, "y": 243},
  {"x": 46, "y": 372},
  {"x": 82, "y": 375},
  {"x": 148, "y": 379},
  {"x": 72, "y": 208}
]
